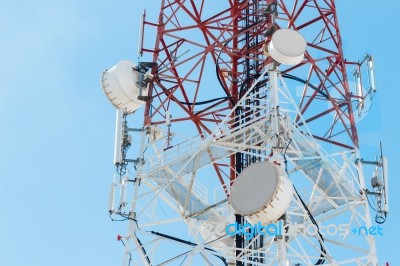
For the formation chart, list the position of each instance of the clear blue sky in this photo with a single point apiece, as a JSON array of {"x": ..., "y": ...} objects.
[{"x": 57, "y": 128}]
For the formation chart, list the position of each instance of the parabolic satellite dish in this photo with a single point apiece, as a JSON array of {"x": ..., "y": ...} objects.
[
  {"x": 120, "y": 86},
  {"x": 261, "y": 193},
  {"x": 287, "y": 47}
]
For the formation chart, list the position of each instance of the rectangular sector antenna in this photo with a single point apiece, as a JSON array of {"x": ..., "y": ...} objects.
[{"x": 118, "y": 137}]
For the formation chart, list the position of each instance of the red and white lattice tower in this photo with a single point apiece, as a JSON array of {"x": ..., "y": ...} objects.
[{"x": 243, "y": 128}]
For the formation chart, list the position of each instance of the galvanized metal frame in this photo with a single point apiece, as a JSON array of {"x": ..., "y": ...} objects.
[{"x": 172, "y": 176}]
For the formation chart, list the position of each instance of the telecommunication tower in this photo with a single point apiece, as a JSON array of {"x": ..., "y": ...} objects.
[{"x": 247, "y": 150}]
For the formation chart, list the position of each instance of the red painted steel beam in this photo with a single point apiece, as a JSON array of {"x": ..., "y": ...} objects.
[{"x": 217, "y": 36}]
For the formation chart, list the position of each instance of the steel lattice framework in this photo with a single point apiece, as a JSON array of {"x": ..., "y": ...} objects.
[
  {"x": 212, "y": 75},
  {"x": 233, "y": 41}
]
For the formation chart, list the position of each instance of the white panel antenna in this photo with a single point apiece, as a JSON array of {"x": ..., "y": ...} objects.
[
  {"x": 371, "y": 73},
  {"x": 385, "y": 174},
  {"x": 380, "y": 185},
  {"x": 119, "y": 133},
  {"x": 111, "y": 202},
  {"x": 364, "y": 77}
]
